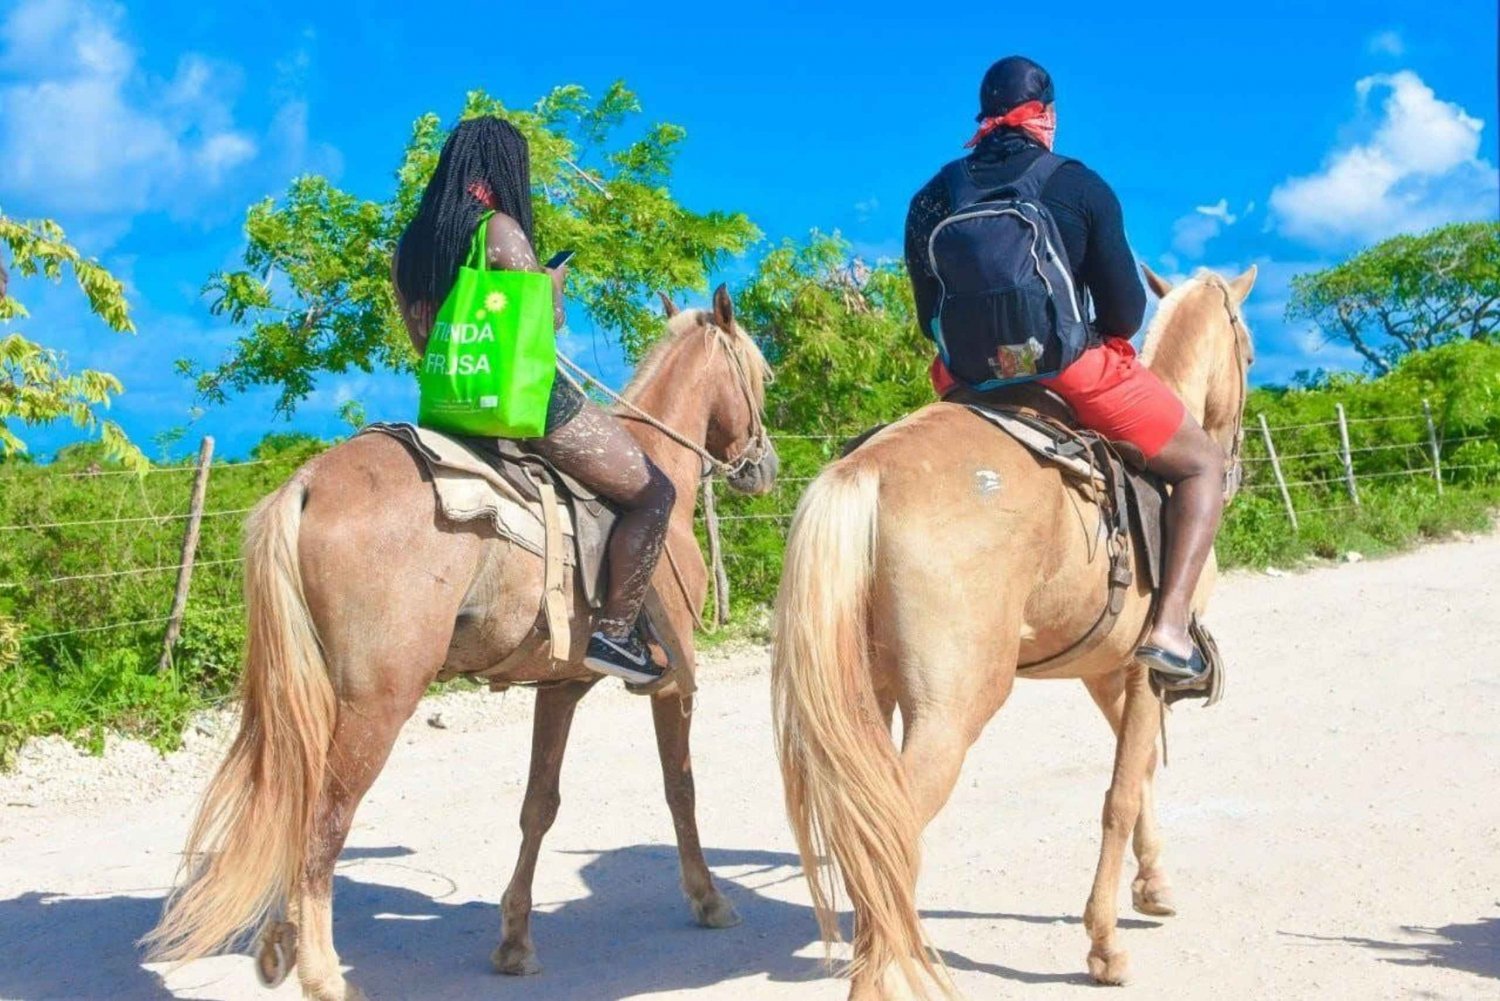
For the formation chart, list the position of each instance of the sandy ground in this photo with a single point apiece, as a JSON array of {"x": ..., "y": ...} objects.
[{"x": 1333, "y": 830}]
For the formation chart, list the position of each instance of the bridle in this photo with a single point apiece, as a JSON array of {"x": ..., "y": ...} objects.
[
  {"x": 756, "y": 448},
  {"x": 1234, "y": 471}
]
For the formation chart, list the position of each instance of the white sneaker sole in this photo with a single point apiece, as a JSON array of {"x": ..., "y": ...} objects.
[{"x": 632, "y": 675}]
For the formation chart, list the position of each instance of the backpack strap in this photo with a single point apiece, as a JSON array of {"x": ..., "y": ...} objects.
[{"x": 963, "y": 192}]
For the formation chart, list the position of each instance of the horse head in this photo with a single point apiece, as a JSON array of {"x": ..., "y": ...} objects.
[
  {"x": 1200, "y": 345},
  {"x": 734, "y": 393}
]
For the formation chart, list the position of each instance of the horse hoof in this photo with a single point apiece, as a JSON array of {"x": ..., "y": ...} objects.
[
  {"x": 716, "y": 912},
  {"x": 515, "y": 962},
  {"x": 1112, "y": 968},
  {"x": 277, "y": 955},
  {"x": 1153, "y": 897}
]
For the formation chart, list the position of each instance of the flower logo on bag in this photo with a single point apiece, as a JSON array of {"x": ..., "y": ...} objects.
[{"x": 495, "y": 302}]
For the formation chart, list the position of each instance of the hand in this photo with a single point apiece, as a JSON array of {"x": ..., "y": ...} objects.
[{"x": 559, "y": 276}]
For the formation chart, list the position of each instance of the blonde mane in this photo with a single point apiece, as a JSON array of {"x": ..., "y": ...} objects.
[
  {"x": 1166, "y": 311},
  {"x": 681, "y": 330}
]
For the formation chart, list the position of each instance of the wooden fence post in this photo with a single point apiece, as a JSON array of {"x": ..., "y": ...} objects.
[
  {"x": 1286, "y": 497},
  {"x": 1346, "y": 455},
  {"x": 1432, "y": 441},
  {"x": 189, "y": 550},
  {"x": 717, "y": 574}
]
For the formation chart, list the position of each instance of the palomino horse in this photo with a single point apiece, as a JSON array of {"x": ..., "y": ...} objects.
[
  {"x": 920, "y": 572},
  {"x": 358, "y": 593}
]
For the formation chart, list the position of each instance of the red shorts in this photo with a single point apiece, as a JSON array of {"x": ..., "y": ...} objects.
[{"x": 1112, "y": 393}]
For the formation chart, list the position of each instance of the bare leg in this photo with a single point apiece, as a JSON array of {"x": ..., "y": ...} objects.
[
  {"x": 673, "y": 726},
  {"x": 596, "y": 449},
  {"x": 552, "y": 719},
  {"x": 1108, "y": 963},
  {"x": 362, "y": 740},
  {"x": 1151, "y": 891},
  {"x": 1194, "y": 464}
]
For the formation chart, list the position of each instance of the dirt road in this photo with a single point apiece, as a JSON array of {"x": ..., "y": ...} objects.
[{"x": 1333, "y": 831}]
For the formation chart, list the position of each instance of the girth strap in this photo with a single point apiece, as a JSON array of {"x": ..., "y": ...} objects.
[{"x": 555, "y": 589}]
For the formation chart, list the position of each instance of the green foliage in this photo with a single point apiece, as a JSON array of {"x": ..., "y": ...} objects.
[
  {"x": 314, "y": 294},
  {"x": 1408, "y": 293},
  {"x": 35, "y": 384}
]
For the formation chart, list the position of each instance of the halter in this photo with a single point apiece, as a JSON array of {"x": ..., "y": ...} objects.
[
  {"x": 1234, "y": 472},
  {"x": 751, "y": 455}
]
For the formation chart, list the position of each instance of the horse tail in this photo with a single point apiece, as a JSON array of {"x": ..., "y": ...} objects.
[
  {"x": 846, "y": 791},
  {"x": 244, "y": 855}
]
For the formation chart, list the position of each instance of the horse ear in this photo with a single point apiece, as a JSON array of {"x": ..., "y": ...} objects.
[
  {"x": 667, "y": 305},
  {"x": 723, "y": 309},
  {"x": 1155, "y": 282},
  {"x": 1242, "y": 285}
]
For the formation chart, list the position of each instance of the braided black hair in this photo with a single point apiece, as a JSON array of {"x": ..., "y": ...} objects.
[{"x": 487, "y": 154}]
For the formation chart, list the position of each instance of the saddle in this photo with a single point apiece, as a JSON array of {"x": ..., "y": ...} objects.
[
  {"x": 541, "y": 509},
  {"x": 1131, "y": 501}
]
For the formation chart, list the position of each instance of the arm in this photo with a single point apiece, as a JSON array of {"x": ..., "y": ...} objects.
[
  {"x": 507, "y": 248},
  {"x": 927, "y": 209},
  {"x": 418, "y": 326},
  {"x": 1108, "y": 264}
]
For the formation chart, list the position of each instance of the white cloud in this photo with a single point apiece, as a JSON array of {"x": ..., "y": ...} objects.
[
  {"x": 1191, "y": 233},
  {"x": 1386, "y": 43},
  {"x": 1419, "y": 168},
  {"x": 84, "y": 130}
]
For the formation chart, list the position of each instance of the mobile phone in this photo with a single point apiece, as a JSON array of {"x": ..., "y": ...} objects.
[{"x": 559, "y": 259}]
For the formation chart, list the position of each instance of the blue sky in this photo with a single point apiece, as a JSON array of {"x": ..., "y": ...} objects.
[{"x": 1284, "y": 134}]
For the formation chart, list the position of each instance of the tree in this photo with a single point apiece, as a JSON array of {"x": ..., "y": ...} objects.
[
  {"x": 1408, "y": 293},
  {"x": 314, "y": 293},
  {"x": 842, "y": 337},
  {"x": 35, "y": 385}
]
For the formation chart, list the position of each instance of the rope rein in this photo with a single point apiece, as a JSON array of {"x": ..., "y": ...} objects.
[{"x": 712, "y": 466}]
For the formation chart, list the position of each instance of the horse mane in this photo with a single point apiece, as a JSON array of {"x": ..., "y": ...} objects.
[
  {"x": 681, "y": 330},
  {"x": 1166, "y": 311}
]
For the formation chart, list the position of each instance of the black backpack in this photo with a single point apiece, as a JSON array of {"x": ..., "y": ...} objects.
[{"x": 1009, "y": 311}]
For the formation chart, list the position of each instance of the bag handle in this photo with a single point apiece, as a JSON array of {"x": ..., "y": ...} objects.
[{"x": 478, "y": 259}]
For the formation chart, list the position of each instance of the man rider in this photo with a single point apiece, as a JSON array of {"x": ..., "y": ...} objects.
[{"x": 1108, "y": 389}]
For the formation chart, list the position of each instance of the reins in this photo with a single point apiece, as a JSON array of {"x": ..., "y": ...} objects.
[
  {"x": 1235, "y": 470},
  {"x": 712, "y": 466}
]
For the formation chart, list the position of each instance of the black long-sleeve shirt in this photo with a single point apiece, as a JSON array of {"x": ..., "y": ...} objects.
[{"x": 1088, "y": 217}]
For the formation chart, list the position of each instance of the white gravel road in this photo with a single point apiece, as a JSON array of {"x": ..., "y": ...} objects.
[{"x": 1333, "y": 831}]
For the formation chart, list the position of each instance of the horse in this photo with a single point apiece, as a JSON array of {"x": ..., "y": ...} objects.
[
  {"x": 921, "y": 570},
  {"x": 359, "y": 593}
]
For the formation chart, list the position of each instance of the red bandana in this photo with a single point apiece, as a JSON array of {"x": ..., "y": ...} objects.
[
  {"x": 482, "y": 192},
  {"x": 1037, "y": 120}
]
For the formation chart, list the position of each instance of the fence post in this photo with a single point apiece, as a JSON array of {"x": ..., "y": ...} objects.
[
  {"x": 717, "y": 573},
  {"x": 1346, "y": 455},
  {"x": 1286, "y": 497},
  {"x": 189, "y": 550},
  {"x": 1432, "y": 441}
]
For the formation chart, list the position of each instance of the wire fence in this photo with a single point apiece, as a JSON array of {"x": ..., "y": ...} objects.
[{"x": 58, "y": 571}]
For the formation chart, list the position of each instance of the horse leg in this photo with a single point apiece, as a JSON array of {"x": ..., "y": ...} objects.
[
  {"x": 711, "y": 908},
  {"x": 362, "y": 740},
  {"x": 1151, "y": 891},
  {"x": 936, "y": 739},
  {"x": 552, "y": 720},
  {"x": 1108, "y": 963}
]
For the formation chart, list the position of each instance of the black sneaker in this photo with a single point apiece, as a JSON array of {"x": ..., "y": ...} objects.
[{"x": 625, "y": 658}]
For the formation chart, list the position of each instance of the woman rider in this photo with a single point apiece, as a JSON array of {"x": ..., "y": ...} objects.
[
  {"x": 1108, "y": 389},
  {"x": 485, "y": 168}
]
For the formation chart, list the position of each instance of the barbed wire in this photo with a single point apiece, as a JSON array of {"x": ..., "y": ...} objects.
[
  {"x": 121, "y": 521},
  {"x": 124, "y": 625},
  {"x": 116, "y": 573}
]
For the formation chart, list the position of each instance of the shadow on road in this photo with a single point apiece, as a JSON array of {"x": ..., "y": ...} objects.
[
  {"x": 630, "y": 935},
  {"x": 1470, "y": 948}
]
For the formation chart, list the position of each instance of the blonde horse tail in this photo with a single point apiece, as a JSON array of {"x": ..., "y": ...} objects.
[
  {"x": 244, "y": 855},
  {"x": 846, "y": 791}
]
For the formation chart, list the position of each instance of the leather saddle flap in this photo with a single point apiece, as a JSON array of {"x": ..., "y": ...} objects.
[{"x": 490, "y": 479}]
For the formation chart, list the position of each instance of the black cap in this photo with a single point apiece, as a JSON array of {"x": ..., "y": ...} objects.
[{"x": 1013, "y": 80}]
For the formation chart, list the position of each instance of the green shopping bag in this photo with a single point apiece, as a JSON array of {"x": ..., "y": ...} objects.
[{"x": 492, "y": 355}]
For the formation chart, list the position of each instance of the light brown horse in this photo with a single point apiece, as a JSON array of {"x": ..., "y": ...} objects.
[
  {"x": 358, "y": 593},
  {"x": 920, "y": 571}
]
